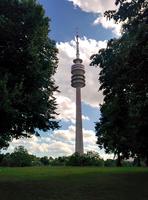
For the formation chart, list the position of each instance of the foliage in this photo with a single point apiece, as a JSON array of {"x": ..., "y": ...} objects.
[
  {"x": 123, "y": 126},
  {"x": 28, "y": 62},
  {"x": 131, "y": 13},
  {"x": 60, "y": 161},
  {"x": 109, "y": 163},
  {"x": 6, "y": 160},
  {"x": 88, "y": 159},
  {"x": 35, "y": 161},
  {"x": 19, "y": 158},
  {"x": 44, "y": 160},
  {"x": 112, "y": 130}
]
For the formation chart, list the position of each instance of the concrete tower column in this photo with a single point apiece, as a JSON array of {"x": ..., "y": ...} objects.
[
  {"x": 78, "y": 81},
  {"x": 79, "y": 134}
]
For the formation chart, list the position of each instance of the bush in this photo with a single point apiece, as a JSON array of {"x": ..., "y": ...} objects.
[
  {"x": 60, "y": 161},
  {"x": 6, "y": 161},
  {"x": 127, "y": 163},
  {"x": 89, "y": 159},
  {"x": 110, "y": 163},
  {"x": 44, "y": 160},
  {"x": 19, "y": 158}
]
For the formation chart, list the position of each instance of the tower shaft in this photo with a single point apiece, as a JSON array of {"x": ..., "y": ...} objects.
[
  {"x": 79, "y": 134},
  {"x": 78, "y": 82}
]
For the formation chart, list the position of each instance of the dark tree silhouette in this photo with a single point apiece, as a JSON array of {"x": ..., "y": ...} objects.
[
  {"x": 28, "y": 62},
  {"x": 123, "y": 126}
]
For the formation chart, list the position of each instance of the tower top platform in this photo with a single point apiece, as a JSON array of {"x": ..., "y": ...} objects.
[{"x": 77, "y": 69}]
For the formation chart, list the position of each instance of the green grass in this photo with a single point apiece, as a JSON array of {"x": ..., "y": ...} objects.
[{"x": 73, "y": 183}]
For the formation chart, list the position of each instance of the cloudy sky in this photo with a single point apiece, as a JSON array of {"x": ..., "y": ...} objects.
[{"x": 67, "y": 16}]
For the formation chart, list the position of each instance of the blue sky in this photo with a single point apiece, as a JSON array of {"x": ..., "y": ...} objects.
[
  {"x": 65, "y": 19},
  {"x": 94, "y": 31}
]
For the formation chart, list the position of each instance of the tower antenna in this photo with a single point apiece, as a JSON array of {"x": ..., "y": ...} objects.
[{"x": 77, "y": 44}]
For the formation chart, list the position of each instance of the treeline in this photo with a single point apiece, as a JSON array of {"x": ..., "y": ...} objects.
[
  {"x": 21, "y": 158},
  {"x": 123, "y": 126}
]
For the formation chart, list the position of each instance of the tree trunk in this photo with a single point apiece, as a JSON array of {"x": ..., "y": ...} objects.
[
  {"x": 138, "y": 162},
  {"x": 146, "y": 161},
  {"x": 119, "y": 160}
]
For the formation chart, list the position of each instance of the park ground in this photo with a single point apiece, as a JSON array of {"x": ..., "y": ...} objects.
[{"x": 73, "y": 183}]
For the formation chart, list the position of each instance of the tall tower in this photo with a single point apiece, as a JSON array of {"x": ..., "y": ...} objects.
[{"x": 78, "y": 81}]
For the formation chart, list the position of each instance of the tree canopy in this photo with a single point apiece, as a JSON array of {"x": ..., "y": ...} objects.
[
  {"x": 28, "y": 60},
  {"x": 123, "y": 126}
]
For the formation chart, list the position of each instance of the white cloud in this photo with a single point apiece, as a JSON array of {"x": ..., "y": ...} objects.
[
  {"x": 109, "y": 24},
  {"x": 95, "y": 6},
  {"x": 90, "y": 93},
  {"x": 85, "y": 117},
  {"x": 60, "y": 143},
  {"x": 99, "y": 7},
  {"x": 67, "y": 109}
]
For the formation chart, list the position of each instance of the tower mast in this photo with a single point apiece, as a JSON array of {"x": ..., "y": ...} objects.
[{"x": 78, "y": 81}]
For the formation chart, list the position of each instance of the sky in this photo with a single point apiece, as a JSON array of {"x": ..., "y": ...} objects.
[{"x": 68, "y": 17}]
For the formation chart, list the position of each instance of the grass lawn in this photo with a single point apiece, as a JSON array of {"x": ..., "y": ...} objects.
[{"x": 73, "y": 183}]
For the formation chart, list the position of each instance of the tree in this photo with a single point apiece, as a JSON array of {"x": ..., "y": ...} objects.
[
  {"x": 109, "y": 163},
  {"x": 134, "y": 16},
  {"x": 88, "y": 159},
  {"x": 28, "y": 62},
  {"x": 6, "y": 160},
  {"x": 44, "y": 160},
  {"x": 112, "y": 128},
  {"x": 124, "y": 82},
  {"x": 20, "y": 157}
]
